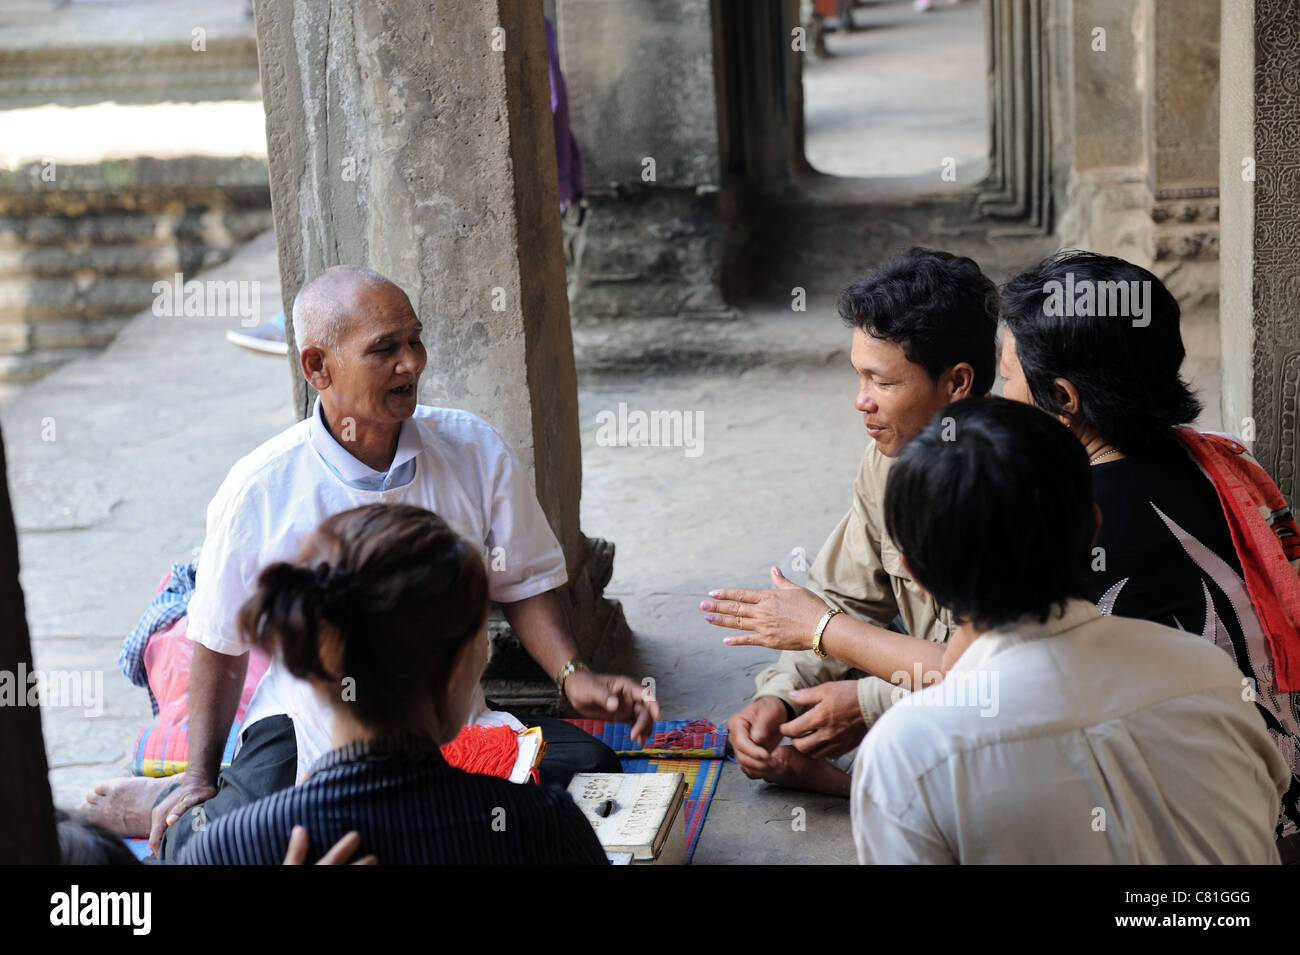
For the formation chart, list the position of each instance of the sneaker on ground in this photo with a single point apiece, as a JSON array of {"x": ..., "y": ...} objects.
[{"x": 267, "y": 337}]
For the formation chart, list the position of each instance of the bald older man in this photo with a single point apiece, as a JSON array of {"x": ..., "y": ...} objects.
[{"x": 368, "y": 440}]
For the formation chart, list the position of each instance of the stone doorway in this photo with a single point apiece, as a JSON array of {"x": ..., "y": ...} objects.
[{"x": 902, "y": 94}]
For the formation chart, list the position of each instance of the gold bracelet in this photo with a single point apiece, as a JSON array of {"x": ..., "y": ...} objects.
[
  {"x": 569, "y": 668},
  {"x": 821, "y": 628}
]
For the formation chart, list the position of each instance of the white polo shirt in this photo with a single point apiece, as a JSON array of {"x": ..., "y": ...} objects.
[
  {"x": 1089, "y": 739},
  {"x": 449, "y": 462}
]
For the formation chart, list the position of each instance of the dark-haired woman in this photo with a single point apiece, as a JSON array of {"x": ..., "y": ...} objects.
[
  {"x": 385, "y": 614},
  {"x": 1194, "y": 534}
]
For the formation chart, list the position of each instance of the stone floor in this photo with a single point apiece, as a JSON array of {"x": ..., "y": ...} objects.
[{"x": 900, "y": 93}]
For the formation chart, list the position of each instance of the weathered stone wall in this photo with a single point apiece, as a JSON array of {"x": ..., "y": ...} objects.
[
  {"x": 1144, "y": 136},
  {"x": 134, "y": 72},
  {"x": 1142, "y": 131},
  {"x": 393, "y": 144},
  {"x": 643, "y": 107},
  {"x": 82, "y": 242},
  {"x": 81, "y": 246},
  {"x": 1105, "y": 83}
]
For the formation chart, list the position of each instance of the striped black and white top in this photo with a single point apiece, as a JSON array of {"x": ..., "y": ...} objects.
[{"x": 411, "y": 808}]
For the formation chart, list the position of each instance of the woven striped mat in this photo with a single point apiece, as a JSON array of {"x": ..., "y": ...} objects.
[{"x": 695, "y": 748}]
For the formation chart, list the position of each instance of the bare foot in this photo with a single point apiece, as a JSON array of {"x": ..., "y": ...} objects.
[
  {"x": 125, "y": 806},
  {"x": 794, "y": 770}
]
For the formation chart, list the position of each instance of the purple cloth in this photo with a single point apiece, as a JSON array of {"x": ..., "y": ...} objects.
[{"x": 567, "y": 159}]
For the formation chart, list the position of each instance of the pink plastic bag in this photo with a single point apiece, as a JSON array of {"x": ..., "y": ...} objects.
[{"x": 167, "y": 658}]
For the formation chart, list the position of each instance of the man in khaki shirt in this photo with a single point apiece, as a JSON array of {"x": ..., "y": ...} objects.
[{"x": 924, "y": 335}]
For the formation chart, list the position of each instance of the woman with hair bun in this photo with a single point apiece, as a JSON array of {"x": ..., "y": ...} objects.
[{"x": 384, "y": 612}]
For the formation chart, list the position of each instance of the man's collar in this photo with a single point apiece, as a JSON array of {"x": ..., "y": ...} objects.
[
  {"x": 341, "y": 460},
  {"x": 1027, "y": 628}
]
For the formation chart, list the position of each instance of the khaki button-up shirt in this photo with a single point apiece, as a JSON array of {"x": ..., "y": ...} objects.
[{"x": 860, "y": 571}]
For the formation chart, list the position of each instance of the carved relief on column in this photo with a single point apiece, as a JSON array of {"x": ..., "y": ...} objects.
[
  {"x": 1185, "y": 224},
  {"x": 1276, "y": 292}
]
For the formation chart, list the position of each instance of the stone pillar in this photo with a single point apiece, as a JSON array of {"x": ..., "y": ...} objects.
[
  {"x": 26, "y": 806},
  {"x": 1145, "y": 129},
  {"x": 1181, "y": 113},
  {"x": 1106, "y": 75},
  {"x": 1259, "y": 169},
  {"x": 417, "y": 139},
  {"x": 1104, "y": 205},
  {"x": 641, "y": 79}
]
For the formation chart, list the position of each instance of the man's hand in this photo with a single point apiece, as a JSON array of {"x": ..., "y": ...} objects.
[
  {"x": 755, "y": 732},
  {"x": 833, "y": 725},
  {"x": 339, "y": 855},
  {"x": 614, "y": 698},
  {"x": 191, "y": 791},
  {"x": 783, "y": 618},
  {"x": 542, "y": 628}
]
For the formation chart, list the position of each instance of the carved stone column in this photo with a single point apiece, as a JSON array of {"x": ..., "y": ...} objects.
[
  {"x": 1259, "y": 165},
  {"x": 1019, "y": 185}
]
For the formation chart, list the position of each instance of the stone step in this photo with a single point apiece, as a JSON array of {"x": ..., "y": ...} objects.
[
  {"x": 84, "y": 296},
  {"x": 82, "y": 250},
  {"x": 74, "y": 75},
  {"x": 160, "y": 258},
  {"x": 60, "y": 334},
  {"x": 198, "y": 224}
]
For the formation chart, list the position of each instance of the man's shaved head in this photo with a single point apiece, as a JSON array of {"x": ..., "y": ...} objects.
[
  {"x": 359, "y": 347},
  {"x": 323, "y": 306}
]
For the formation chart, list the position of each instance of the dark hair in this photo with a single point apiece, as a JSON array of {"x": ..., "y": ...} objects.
[
  {"x": 938, "y": 306},
  {"x": 385, "y": 594},
  {"x": 1130, "y": 392},
  {"x": 991, "y": 505},
  {"x": 81, "y": 842}
]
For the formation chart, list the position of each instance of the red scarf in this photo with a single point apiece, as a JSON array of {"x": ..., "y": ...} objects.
[{"x": 1268, "y": 548}]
